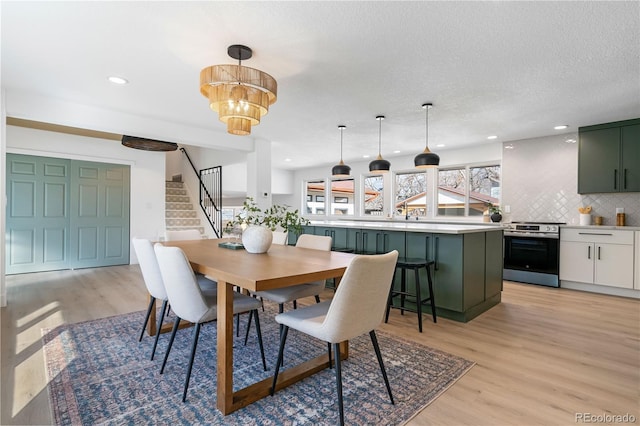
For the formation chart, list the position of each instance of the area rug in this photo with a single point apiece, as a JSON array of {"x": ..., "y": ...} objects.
[{"x": 98, "y": 374}]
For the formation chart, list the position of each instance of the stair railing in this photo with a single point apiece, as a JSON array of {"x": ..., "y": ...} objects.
[{"x": 210, "y": 193}]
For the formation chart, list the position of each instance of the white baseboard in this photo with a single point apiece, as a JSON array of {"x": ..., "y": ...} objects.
[{"x": 602, "y": 289}]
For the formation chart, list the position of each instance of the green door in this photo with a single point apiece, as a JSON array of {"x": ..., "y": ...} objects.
[
  {"x": 99, "y": 214},
  {"x": 630, "y": 173},
  {"x": 598, "y": 161},
  {"x": 37, "y": 219}
]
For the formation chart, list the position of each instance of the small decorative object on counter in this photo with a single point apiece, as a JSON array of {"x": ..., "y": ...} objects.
[
  {"x": 585, "y": 215},
  {"x": 620, "y": 217},
  {"x": 494, "y": 212},
  {"x": 597, "y": 220}
]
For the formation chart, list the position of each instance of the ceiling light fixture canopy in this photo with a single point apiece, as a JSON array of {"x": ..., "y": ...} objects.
[
  {"x": 379, "y": 165},
  {"x": 240, "y": 95},
  {"x": 426, "y": 158},
  {"x": 341, "y": 169}
]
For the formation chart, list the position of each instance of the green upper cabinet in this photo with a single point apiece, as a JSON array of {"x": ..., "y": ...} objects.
[{"x": 609, "y": 158}]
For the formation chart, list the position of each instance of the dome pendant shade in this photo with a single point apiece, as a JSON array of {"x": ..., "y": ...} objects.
[
  {"x": 426, "y": 158},
  {"x": 240, "y": 95},
  {"x": 379, "y": 165},
  {"x": 341, "y": 169}
]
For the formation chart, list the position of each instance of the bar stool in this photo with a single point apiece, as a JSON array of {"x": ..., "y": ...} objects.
[{"x": 412, "y": 264}]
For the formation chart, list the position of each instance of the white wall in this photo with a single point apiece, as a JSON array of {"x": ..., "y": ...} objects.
[
  {"x": 3, "y": 192},
  {"x": 147, "y": 171}
]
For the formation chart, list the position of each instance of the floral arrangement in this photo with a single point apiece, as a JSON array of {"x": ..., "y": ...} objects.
[{"x": 275, "y": 216}]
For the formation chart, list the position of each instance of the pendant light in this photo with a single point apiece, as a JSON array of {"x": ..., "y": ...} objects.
[
  {"x": 341, "y": 169},
  {"x": 379, "y": 164},
  {"x": 426, "y": 158}
]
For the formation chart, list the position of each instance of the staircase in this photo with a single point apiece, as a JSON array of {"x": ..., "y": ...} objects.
[{"x": 180, "y": 213}]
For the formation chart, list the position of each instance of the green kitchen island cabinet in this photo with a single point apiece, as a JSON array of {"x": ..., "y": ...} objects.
[{"x": 467, "y": 275}]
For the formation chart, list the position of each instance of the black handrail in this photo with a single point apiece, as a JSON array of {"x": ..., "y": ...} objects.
[{"x": 207, "y": 201}]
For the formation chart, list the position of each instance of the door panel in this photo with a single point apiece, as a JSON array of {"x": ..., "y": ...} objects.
[
  {"x": 37, "y": 213},
  {"x": 101, "y": 213}
]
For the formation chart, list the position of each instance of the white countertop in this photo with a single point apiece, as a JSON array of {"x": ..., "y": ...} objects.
[
  {"x": 608, "y": 227},
  {"x": 412, "y": 226}
]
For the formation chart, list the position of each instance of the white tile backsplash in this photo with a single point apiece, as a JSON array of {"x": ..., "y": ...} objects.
[{"x": 540, "y": 181}]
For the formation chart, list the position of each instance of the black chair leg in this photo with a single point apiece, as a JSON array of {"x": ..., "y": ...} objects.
[
  {"x": 255, "y": 313},
  {"x": 336, "y": 348},
  {"x": 418, "y": 299},
  {"x": 146, "y": 318},
  {"x": 176, "y": 323},
  {"x": 283, "y": 339},
  {"x": 329, "y": 350},
  {"x": 196, "y": 333},
  {"x": 295, "y": 304},
  {"x": 317, "y": 299},
  {"x": 160, "y": 321},
  {"x": 246, "y": 333},
  {"x": 237, "y": 325},
  {"x": 376, "y": 347},
  {"x": 432, "y": 299}
]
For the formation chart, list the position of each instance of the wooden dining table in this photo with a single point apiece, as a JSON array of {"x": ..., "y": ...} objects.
[{"x": 280, "y": 266}]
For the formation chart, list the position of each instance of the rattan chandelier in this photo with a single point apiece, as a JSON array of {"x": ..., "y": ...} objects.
[{"x": 240, "y": 95}]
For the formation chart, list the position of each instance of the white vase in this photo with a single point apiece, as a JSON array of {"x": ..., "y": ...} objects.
[{"x": 257, "y": 239}]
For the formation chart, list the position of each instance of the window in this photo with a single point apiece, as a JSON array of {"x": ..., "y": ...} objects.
[
  {"x": 411, "y": 194},
  {"x": 484, "y": 187},
  {"x": 465, "y": 191},
  {"x": 342, "y": 196},
  {"x": 373, "y": 195},
  {"x": 315, "y": 191},
  {"x": 452, "y": 192}
]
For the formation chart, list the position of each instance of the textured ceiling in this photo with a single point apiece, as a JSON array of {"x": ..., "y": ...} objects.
[{"x": 511, "y": 69}]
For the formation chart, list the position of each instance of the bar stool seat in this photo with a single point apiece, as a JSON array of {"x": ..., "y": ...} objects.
[{"x": 414, "y": 264}]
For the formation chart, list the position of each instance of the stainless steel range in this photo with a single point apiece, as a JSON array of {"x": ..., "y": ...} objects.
[{"x": 531, "y": 252}]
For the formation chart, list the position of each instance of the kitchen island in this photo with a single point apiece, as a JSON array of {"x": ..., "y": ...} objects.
[{"x": 467, "y": 276}]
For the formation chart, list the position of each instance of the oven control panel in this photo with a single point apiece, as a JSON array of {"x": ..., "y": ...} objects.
[{"x": 548, "y": 228}]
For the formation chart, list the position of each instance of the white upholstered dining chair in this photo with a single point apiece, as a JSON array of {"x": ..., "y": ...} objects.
[
  {"x": 182, "y": 234},
  {"x": 293, "y": 293},
  {"x": 279, "y": 238},
  {"x": 190, "y": 304},
  {"x": 155, "y": 286},
  {"x": 357, "y": 307}
]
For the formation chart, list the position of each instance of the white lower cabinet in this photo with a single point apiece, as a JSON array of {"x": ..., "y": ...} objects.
[
  {"x": 603, "y": 257},
  {"x": 636, "y": 284}
]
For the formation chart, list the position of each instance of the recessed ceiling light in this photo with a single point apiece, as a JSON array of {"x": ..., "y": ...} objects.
[
  {"x": 508, "y": 146},
  {"x": 561, "y": 127},
  {"x": 287, "y": 159},
  {"x": 492, "y": 137},
  {"x": 440, "y": 145},
  {"x": 397, "y": 151},
  {"x": 365, "y": 156},
  {"x": 118, "y": 80},
  {"x": 570, "y": 140}
]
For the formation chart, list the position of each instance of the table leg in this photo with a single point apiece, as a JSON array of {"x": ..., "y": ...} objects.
[
  {"x": 225, "y": 348},
  {"x": 151, "y": 325}
]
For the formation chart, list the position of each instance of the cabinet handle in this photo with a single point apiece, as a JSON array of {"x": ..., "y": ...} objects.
[
  {"x": 435, "y": 267},
  {"x": 599, "y": 252},
  {"x": 589, "y": 252},
  {"x": 385, "y": 243},
  {"x": 615, "y": 178},
  {"x": 365, "y": 240},
  {"x": 594, "y": 233},
  {"x": 357, "y": 239},
  {"x": 426, "y": 248},
  {"x": 625, "y": 179}
]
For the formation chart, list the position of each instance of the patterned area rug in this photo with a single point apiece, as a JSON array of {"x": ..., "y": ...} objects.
[{"x": 98, "y": 373}]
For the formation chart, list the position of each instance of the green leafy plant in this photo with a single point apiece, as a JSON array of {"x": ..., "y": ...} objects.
[
  {"x": 493, "y": 208},
  {"x": 273, "y": 217}
]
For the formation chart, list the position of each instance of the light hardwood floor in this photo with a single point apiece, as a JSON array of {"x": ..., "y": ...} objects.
[{"x": 542, "y": 356}]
